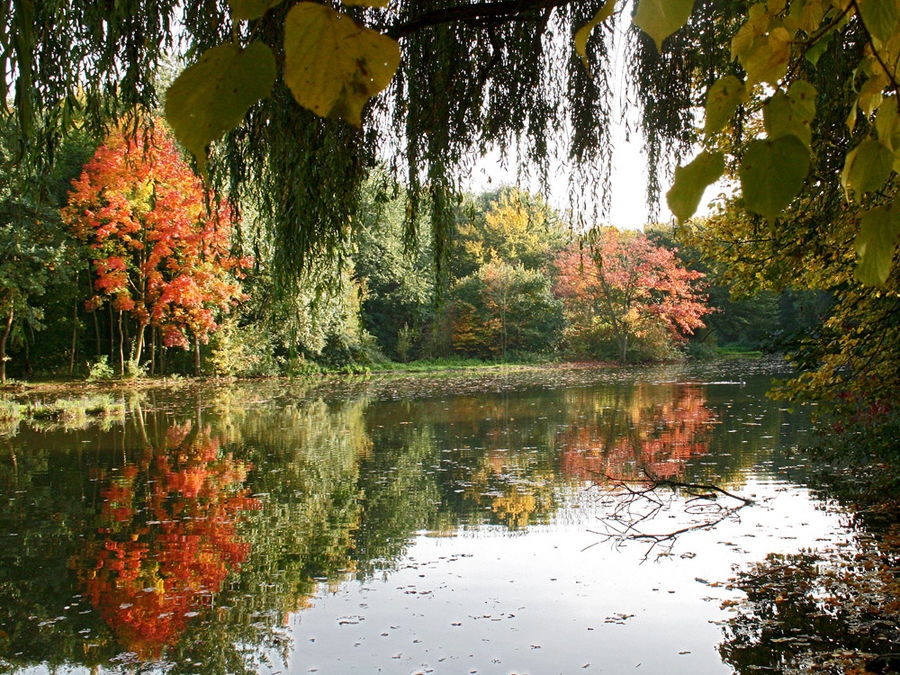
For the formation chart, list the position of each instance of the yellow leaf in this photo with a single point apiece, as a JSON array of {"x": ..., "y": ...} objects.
[
  {"x": 767, "y": 59},
  {"x": 213, "y": 95},
  {"x": 660, "y": 18},
  {"x": 722, "y": 99},
  {"x": 332, "y": 65},
  {"x": 583, "y": 33}
]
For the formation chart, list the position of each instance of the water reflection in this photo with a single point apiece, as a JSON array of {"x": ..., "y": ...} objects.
[
  {"x": 654, "y": 428},
  {"x": 192, "y": 529},
  {"x": 166, "y": 538}
]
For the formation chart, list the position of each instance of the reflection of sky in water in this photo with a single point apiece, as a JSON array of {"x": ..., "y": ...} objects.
[
  {"x": 515, "y": 575},
  {"x": 492, "y": 601}
]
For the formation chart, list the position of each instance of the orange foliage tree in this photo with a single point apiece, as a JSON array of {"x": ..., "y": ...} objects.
[
  {"x": 626, "y": 286},
  {"x": 167, "y": 539},
  {"x": 159, "y": 254}
]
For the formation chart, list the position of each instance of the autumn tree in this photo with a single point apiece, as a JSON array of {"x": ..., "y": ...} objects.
[
  {"x": 159, "y": 255},
  {"x": 502, "y": 309},
  {"x": 510, "y": 226},
  {"x": 624, "y": 284}
]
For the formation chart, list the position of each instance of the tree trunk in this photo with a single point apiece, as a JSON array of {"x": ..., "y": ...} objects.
[
  {"x": 97, "y": 333},
  {"x": 623, "y": 346},
  {"x": 197, "y": 356},
  {"x": 6, "y": 331},
  {"x": 139, "y": 342},
  {"x": 152, "y": 351},
  {"x": 121, "y": 347},
  {"x": 74, "y": 337}
]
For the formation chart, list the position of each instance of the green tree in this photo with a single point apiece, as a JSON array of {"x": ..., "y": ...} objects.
[
  {"x": 509, "y": 226},
  {"x": 502, "y": 309},
  {"x": 395, "y": 270}
]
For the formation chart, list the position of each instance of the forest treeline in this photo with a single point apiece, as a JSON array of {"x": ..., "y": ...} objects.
[{"x": 123, "y": 265}]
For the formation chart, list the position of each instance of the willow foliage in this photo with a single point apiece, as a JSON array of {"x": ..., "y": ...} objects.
[{"x": 472, "y": 76}]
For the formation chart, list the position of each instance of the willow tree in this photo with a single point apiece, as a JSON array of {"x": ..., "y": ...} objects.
[{"x": 288, "y": 104}]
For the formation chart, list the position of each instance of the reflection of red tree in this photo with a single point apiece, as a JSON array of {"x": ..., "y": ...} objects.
[
  {"x": 660, "y": 438},
  {"x": 168, "y": 539}
]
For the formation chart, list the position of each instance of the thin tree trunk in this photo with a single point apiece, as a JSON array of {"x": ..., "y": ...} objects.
[
  {"x": 152, "y": 351},
  {"x": 6, "y": 331},
  {"x": 139, "y": 342},
  {"x": 74, "y": 337},
  {"x": 97, "y": 333},
  {"x": 121, "y": 347},
  {"x": 197, "y": 356},
  {"x": 112, "y": 333}
]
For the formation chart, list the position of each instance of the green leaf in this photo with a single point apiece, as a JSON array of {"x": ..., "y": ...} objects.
[
  {"x": 887, "y": 124},
  {"x": 250, "y": 9},
  {"x": 791, "y": 113},
  {"x": 875, "y": 244},
  {"x": 691, "y": 181},
  {"x": 722, "y": 99},
  {"x": 660, "y": 18},
  {"x": 583, "y": 33},
  {"x": 867, "y": 167},
  {"x": 333, "y": 65},
  {"x": 879, "y": 16},
  {"x": 772, "y": 173},
  {"x": 213, "y": 95},
  {"x": 766, "y": 60}
]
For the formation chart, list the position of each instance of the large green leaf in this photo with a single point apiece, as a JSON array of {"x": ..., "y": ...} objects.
[
  {"x": 723, "y": 98},
  {"x": 333, "y": 65},
  {"x": 213, "y": 95},
  {"x": 879, "y": 16},
  {"x": 791, "y": 113},
  {"x": 887, "y": 124},
  {"x": 867, "y": 167},
  {"x": 772, "y": 173},
  {"x": 875, "y": 244},
  {"x": 660, "y": 18},
  {"x": 766, "y": 60},
  {"x": 583, "y": 33},
  {"x": 691, "y": 181}
]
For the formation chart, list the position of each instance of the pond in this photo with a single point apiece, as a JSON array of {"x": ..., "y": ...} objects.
[{"x": 493, "y": 523}]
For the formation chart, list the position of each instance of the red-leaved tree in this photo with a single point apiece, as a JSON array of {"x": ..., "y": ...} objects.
[
  {"x": 160, "y": 256},
  {"x": 625, "y": 285}
]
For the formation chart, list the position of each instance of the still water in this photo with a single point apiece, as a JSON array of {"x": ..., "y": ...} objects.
[{"x": 498, "y": 523}]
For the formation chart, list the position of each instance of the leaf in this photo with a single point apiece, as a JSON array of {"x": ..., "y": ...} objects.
[
  {"x": 365, "y": 3},
  {"x": 887, "y": 124},
  {"x": 875, "y": 244},
  {"x": 772, "y": 173},
  {"x": 250, "y": 9},
  {"x": 333, "y": 65},
  {"x": 791, "y": 113},
  {"x": 583, "y": 33},
  {"x": 867, "y": 167},
  {"x": 767, "y": 58},
  {"x": 691, "y": 181},
  {"x": 879, "y": 17},
  {"x": 213, "y": 95},
  {"x": 660, "y": 18},
  {"x": 722, "y": 99}
]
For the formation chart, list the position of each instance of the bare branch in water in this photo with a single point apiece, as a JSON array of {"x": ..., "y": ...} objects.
[{"x": 634, "y": 502}]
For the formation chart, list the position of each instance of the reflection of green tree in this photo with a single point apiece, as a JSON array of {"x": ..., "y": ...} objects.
[
  {"x": 399, "y": 495},
  {"x": 47, "y": 505}
]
